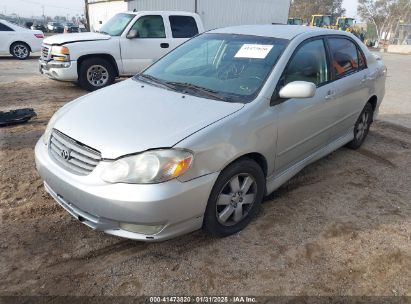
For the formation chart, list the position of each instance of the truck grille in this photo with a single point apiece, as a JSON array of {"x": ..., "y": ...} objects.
[
  {"x": 45, "y": 52},
  {"x": 72, "y": 155}
]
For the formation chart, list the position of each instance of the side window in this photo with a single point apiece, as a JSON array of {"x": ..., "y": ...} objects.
[
  {"x": 183, "y": 26},
  {"x": 5, "y": 28},
  {"x": 345, "y": 56},
  {"x": 151, "y": 26},
  {"x": 309, "y": 63}
]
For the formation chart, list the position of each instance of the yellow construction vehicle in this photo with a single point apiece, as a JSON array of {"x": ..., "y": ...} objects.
[
  {"x": 295, "y": 21},
  {"x": 321, "y": 21},
  {"x": 344, "y": 24}
]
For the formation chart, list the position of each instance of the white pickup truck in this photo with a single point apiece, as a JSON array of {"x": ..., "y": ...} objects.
[{"x": 124, "y": 46}]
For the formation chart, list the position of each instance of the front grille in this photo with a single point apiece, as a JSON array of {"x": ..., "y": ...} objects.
[
  {"x": 72, "y": 155},
  {"x": 45, "y": 52}
]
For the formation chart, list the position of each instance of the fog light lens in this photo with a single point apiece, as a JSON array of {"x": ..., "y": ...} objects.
[{"x": 143, "y": 229}]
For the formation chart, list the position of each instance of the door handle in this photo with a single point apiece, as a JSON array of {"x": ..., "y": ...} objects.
[
  {"x": 364, "y": 79},
  {"x": 164, "y": 45},
  {"x": 330, "y": 95}
]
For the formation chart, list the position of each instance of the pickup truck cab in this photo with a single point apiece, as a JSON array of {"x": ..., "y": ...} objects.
[{"x": 124, "y": 46}]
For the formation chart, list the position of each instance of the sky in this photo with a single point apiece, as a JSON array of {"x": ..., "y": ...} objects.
[{"x": 28, "y": 8}]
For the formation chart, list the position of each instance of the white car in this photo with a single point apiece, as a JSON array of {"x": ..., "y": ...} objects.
[
  {"x": 124, "y": 46},
  {"x": 19, "y": 41}
]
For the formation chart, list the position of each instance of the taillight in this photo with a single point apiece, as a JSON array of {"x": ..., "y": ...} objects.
[{"x": 39, "y": 36}]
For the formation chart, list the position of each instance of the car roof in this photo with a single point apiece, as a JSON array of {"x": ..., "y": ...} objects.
[{"x": 283, "y": 31}]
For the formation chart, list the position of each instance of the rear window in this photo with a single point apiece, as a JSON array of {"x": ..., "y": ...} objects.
[
  {"x": 5, "y": 28},
  {"x": 183, "y": 26}
]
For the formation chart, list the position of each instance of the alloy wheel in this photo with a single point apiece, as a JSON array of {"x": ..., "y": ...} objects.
[
  {"x": 236, "y": 199},
  {"x": 20, "y": 51},
  {"x": 362, "y": 126},
  {"x": 97, "y": 75}
]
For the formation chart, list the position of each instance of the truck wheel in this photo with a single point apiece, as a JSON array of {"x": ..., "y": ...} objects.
[
  {"x": 235, "y": 198},
  {"x": 20, "y": 50},
  {"x": 96, "y": 73}
]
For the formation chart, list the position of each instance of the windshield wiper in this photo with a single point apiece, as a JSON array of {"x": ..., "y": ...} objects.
[
  {"x": 209, "y": 92},
  {"x": 156, "y": 81},
  {"x": 103, "y": 32}
]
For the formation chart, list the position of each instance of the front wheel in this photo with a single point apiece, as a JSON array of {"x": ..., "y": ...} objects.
[
  {"x": 96, "y": 73},
  {"x": 20, "y": 50},
  {"x": 235, "y": 198},
  {"x": 362, "y": 126}
]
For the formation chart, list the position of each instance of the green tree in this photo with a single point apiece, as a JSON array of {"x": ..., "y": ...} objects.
[
  {"x": 304, "y": 8},
  {"x": 385, "y": 15}
]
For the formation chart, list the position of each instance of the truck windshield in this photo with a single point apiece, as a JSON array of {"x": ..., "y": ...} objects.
[
  {"x": 116, "y": 25},
  {"x": 225, "y": 67}
]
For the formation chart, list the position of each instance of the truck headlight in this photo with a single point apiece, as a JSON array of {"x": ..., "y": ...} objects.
[
  {"x": 149, "y": 167},
  {"x": 60, "y": 53}
]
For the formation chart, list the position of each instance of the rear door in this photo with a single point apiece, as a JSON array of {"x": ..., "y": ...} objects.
[
  {"x": 305, "y": 125},
  {"x": 350, "y": 75},
  {"x": 151, "y": 44}
]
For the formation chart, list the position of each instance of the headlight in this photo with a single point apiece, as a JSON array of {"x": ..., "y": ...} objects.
[
  {"x": 150, "y": 167},
  {"x": 49, "y": 129},
  {"x": 60, "y": 53}
]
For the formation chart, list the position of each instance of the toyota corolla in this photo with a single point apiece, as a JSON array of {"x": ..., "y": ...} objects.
[{"x": 201, "y": 136}]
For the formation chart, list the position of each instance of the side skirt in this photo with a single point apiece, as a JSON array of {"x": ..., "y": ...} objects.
[{"x": 275, "y": 181}]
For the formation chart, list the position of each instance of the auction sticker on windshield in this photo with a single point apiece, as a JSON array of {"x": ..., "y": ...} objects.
[{"x": 258, "y": 51}]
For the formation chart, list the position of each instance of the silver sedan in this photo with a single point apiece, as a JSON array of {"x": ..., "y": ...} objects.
[{"x": 201, "y": 136}]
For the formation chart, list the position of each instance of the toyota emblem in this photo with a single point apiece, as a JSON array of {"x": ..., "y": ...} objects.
[{"x": 65, "y": 154}]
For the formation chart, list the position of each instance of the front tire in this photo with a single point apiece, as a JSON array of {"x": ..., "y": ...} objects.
[
  {"x": 96, "y": 73},
  {"x": 20, "y": 50},
  {"x": 362, "y": 126},
  {"x": 235, "y": 198}
]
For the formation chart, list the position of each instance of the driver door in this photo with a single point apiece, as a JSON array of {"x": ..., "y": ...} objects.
[
  {"x": 150, "y": 44},
  {"x": 305, "y": 125}
]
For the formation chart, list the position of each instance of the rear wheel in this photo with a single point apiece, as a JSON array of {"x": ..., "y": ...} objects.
[
  {"x": 362, "y": 126},
  {"x": 235, "y": 198},
  {"x": 96, "y": 73},
  {"x": 20, "y": 50}
]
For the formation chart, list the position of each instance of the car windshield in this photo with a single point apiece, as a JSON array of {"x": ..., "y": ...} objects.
[
  {"x": 225, "y": 67},
  {"x": 116, "y": 25}
]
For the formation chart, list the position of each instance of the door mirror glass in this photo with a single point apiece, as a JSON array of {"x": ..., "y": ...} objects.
[
  {"x": 298, "y": 89},
  {"x": 132, "y": 34}
]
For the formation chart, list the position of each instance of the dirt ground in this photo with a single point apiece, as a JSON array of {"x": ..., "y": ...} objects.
[{"x": 340, "y": 227}]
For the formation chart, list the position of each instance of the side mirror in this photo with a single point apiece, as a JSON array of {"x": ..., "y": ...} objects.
[
  {"x": 132, "y": 34},
  {"x": 298, "y": 89}
]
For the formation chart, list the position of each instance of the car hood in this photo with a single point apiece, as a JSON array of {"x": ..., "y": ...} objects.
[
  {"x": 131, "y": 117},
  {"x": 75, "y": 37}
]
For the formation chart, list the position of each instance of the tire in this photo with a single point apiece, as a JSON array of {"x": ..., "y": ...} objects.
[
  {"x": 222, "y": 215},
  {"x": 20, "y": 50},
  {"x": 361, "y": 127},
  {"x": 96, "y": 73}
]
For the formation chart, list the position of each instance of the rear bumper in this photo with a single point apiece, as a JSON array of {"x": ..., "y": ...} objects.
[
  {"x": 174, "y": 207},
  {"x": 63, "y": 71}
]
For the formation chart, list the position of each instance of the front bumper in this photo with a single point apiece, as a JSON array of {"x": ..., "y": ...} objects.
[
  {"x": 63, "y": 71},
  {"x": 177, "y": 207}
]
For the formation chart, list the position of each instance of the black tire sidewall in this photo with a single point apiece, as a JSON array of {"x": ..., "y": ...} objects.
[
  {"x": 82, "y": 79},
  {"x": 23, "y": 44},
  {"x": 211, "y": 223},
  {"x": 355, "y": 143}
]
